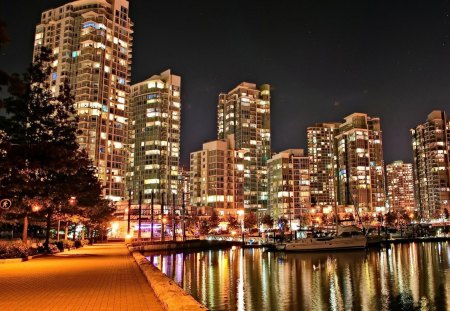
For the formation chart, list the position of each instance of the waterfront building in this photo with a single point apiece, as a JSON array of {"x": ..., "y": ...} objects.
[
  {"x": 322, "y": 164},
  {"x": 431, "y": 148},
  {"x": 245, "y": 112},
  {"x": 92, "y": 43},
  {"x": 360, "y": 164},
  {"x": 217, "y": 178},
  {"x": 289, "y": 185},
  {"x": 400, "y": 186},
  {"x": 183, "y": 187},
  {"x": 155, "y": 129}
]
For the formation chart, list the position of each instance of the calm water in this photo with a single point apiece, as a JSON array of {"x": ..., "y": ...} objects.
[{"x": 412, "y": 276}]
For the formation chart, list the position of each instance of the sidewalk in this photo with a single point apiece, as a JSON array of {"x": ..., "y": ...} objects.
[{"x": 99, "y": 277}]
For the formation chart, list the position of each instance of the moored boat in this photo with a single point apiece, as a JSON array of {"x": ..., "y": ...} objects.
[{"x": 346, "y": 238}]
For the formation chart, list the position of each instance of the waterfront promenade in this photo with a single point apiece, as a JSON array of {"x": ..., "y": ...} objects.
[{"x": 99, "y": 277}]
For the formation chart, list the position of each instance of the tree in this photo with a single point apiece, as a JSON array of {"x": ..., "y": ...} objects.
[
  {"x": 390, "y": 218},
  {"x": 267, "y": 220},
  {"x": 213, "y": 220},
  {"x": 233, "y": 223},
  {"x": 250, "y": 220},
  {"x": 204, "y": 227},
  {"x": 40, "y": 158},
  {"x": 98, "y": 215}
]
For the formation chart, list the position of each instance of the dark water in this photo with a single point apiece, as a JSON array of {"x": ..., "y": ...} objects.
[{"x": 412, "y": 276}]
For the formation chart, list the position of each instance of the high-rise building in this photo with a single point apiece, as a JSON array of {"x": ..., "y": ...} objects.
[
  {"x": 183, "y": 187},
  {"x": 245, "y": 113},
  {"x": 289, "y": 185},
  {"x": 431, "y": 148},
  {"x": 155, "y": 137},
  {"x": 91, "y": 42},
  {"x": 360, "y": 165},
  {"x": 400, "y": 186},
  {"x": 322, "y": 157},
  {"x": 217, "y": 177}
]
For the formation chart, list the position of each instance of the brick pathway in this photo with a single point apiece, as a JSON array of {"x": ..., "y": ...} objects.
[{"x": 99, "y": 277}]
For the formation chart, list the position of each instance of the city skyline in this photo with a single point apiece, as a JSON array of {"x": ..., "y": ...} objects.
[{"x": 370, "y": 62}]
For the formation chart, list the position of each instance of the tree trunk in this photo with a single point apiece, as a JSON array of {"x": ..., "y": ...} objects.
[
  {"x": 25, "y": 229},
  {"x": 66, "y": 232},
  {"x": 47, "y": 232}
]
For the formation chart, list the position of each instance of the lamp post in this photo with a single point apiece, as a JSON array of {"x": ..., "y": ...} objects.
[
  {"x": 162, "y": 216},
  {"x": 129, "y": 212},
  {"x": 183, "y": 211},
  {"x": 140, "y": 214},
  {"x": 241, "y": 214},
  {"x": 174, "y": 235},
  {"x": 151, "y": 231}
]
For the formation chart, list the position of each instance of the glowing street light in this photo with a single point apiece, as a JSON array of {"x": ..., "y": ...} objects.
[{"x": 36, "y": 207}]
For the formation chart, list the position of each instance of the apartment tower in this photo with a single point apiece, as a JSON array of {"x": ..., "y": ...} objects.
[
  {"x": 289, "y": 185},
  {"x": 217, "y": 178},
  {"x": 360, "y": 164},
  {"x": 92, "y": 41},
  {"x": 245, "y": 113},
  {"x": 400, "y": 186},
  {"x": 155, "y": 130},
  {"x": 431, "y": 148},
  {"x": 322, "y": 161}
]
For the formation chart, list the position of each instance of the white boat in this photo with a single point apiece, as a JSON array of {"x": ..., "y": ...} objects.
[{"x": 347, "y": 238}]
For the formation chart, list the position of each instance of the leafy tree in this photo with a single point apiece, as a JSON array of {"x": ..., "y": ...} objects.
[
  {"x": 250, "y": 220},
  {"x": 233, "y": 223},
  {"x": 204, "y": 227},
  {"x": 213, "y": 220},
  {"x": 267, "y": 220},
  {"x": 98, "y": 215},
  {"x": 390, "y": 218},
  {"x": 41, "y": 160}
]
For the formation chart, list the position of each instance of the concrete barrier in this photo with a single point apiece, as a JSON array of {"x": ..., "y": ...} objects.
[
  {"x": 180, "y": 245},
  {"x": 171, "y": 296}
]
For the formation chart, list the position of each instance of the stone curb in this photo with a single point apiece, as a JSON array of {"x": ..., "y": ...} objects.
[
  {"x": 15, "y": 260},
  {"x": 171, "y": 296}
]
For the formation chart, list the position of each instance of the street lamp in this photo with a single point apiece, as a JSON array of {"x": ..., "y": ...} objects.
[
  {"x": 241, "y": 215},
  {"x": 129, "y": 212}
]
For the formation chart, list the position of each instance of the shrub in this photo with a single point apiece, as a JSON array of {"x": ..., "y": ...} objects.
[
  {"x": 60, "y": 245},
  {"x": 78, "y": 244},
  {"x": 68, "y": 244},
  {"x": 84, "y": 242},
  {"x": 15, "y": 250}
]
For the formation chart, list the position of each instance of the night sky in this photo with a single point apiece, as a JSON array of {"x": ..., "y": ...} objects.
[{"x": 323, "y": 59}]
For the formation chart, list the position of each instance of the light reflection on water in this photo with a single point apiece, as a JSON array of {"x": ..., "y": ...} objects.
[{"x": 412, "y": 276}]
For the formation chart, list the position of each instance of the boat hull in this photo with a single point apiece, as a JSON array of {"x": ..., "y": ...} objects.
[{"x": 307, "y": 245}]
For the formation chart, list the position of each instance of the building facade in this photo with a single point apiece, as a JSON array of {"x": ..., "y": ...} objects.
[
  {"x": 183, "y": 188},
  {"x": 322, "y": 161},
  {"x": 289, "y": 185},
  {"x": 360, "y": 164},
  {"x": 217, "y": 178},
  {"x": 92, "y": 44},
  {"x": 245, "y": 113},
  {"x": 431, "y": 148},
  {"x": 400, "y": 186},
  {"x": 155, "y": 130}
]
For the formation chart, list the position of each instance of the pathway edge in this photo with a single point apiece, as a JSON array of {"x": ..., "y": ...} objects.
[{"x": 171, "y": 296}]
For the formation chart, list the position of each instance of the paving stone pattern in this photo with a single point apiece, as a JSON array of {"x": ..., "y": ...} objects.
[{"x": 99, "y": 277}]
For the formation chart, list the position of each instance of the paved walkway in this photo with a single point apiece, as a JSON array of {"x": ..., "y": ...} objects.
[{"x": 99, "y": 277}]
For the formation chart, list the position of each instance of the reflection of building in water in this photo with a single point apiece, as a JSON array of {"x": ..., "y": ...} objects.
[{"x": 397, "y": 278}]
